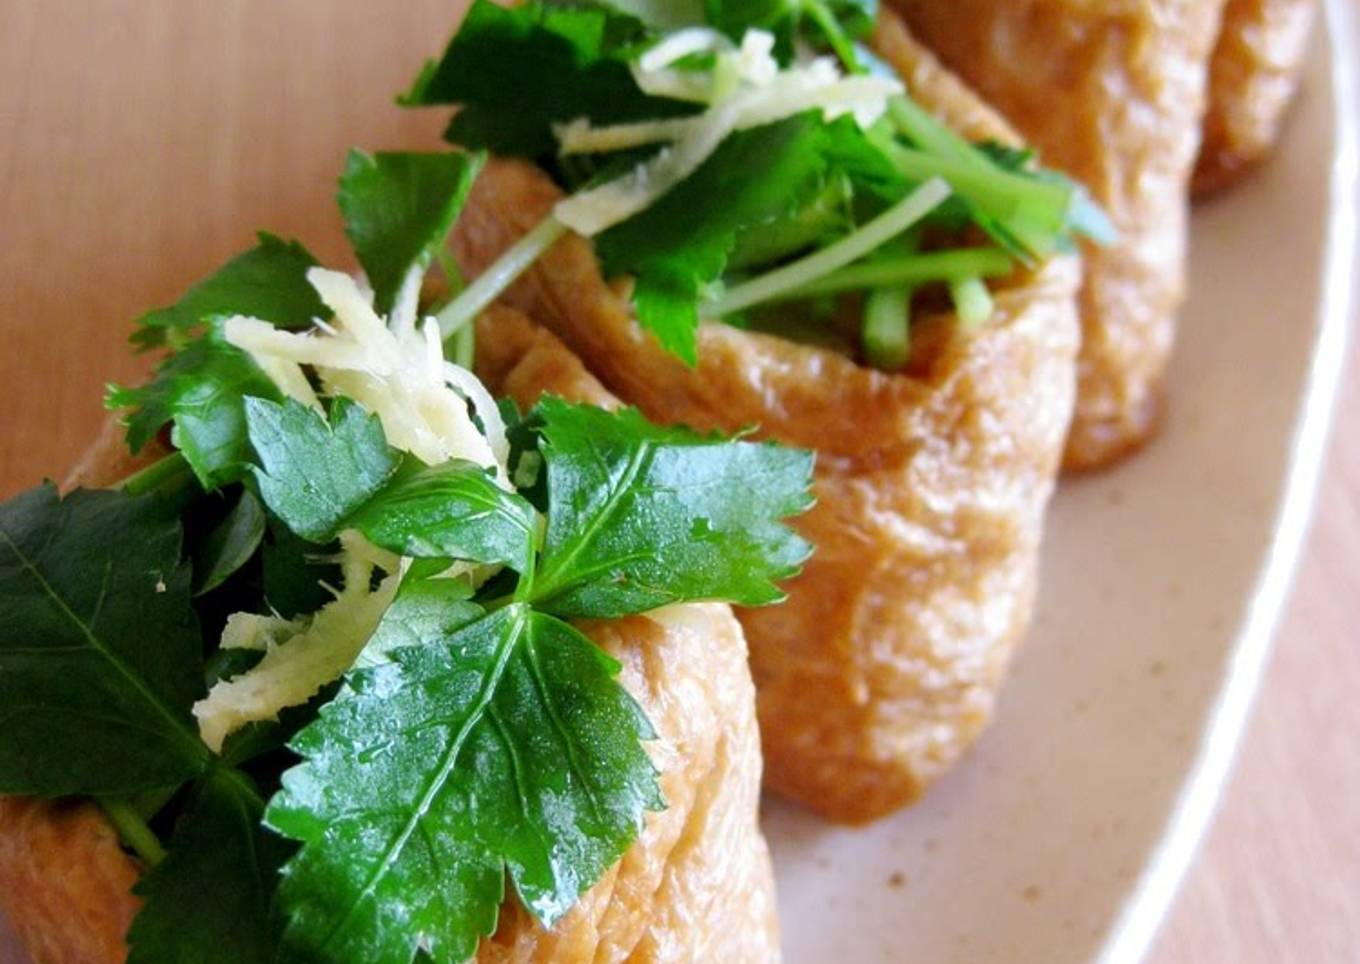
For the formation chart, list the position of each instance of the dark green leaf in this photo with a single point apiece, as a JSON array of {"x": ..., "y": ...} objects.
[
  {"x": 294, "y": 571},
  {"x": 320, "y": 479},
  {"x": 641, "y": 515},
  {"x": 210, "y": 899},
  {"x": 201, "y": 390},
  {"x": 268, "y": 282},
  {"x": 99, "y": 650},
  {"x": 230, "y": 544},
  {"x": 315, "y": 473},
  {"x": 518, "y": 71},
  {"x": 399, "y": 208},
  {"x": 454, "y": 511},
  {"x": 757, "y": 178},
  {"x": 504, "y": 746}
]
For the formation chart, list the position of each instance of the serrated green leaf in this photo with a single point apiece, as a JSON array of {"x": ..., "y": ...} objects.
[
  {"x": 504, "y": 746},
  {"x": 642, "y": 515},
  {"x": 424, "y": 609},
  {"x": 201, "y": 390},
  {"x": 450, "y": 511},
  {"x": 754, "y": 180},
  {"x": 99, "y": 648},
  {"x": 315, "y": 473},
  {"x": 211, "y": 898},
  {"x": 398, "y": 208},
  {"x": 518, "y": 71},
  {"x": 268, "y": 282},
  {"x": 320, "y": 479}
]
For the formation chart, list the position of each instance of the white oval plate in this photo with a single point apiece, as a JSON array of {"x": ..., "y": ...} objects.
[{"x": 1063, "y": 837}]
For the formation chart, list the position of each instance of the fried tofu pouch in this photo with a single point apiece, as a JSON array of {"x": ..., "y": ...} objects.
[
  {"x": 1252, "y": 80},
  {"x": 1112, "y": 92},
  {"x": 696, "y": 886},
  {"x": 884, "y": 663}
]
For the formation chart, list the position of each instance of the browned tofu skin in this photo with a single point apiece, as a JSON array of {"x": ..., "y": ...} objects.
[
  {"x": 697, "y": 884},
  {"x": 1111, "y": 92},
  {"x": 1252, "y": 79},
  {"x": 65, "y": 884},
  {"x": 882, "y": 666}
]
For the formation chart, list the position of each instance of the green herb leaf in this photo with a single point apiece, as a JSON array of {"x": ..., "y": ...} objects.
[
  {"x": 517, "y": 71},
  {"x": 315, "y": 473},
  {"x": 642, "y": 515},
  {"x": 99, "y": 652},
  {"x": 200, "y": 389},
  {"x": 504, "y": 746},
  {"x": 268, "y": 282},
  {"x": 424, "y": 610},
  {"x": 449, "y": 511},
  {"x": 320, "y": 479},
  {"x": 293, "y": 571},
  {"x": 210, "y": 899},
  {"x": 230, "y": 545},
  {"x": 755, "y": 179},
  {"x": 399, "y": 208}
]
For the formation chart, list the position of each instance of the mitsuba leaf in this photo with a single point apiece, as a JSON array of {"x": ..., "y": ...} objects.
[
  {"x": 320, "y": 479},
  {"x": 230, "y": 544},
  {"x": 295, "y": 572},
  {"x": 505, "y": 745},
  {"x": 269, "y": 282},
  {"x": 314, "y": 473},
  {"x": 517, "y": 71},
  {"x": 211, "y": 898},
  {"x": 450, "y": 511},
  {"x": 100, "y": 657},
  {"x": 754, "y": 180},
  {"x": 398, "y": 208},
  {"x": 642, "y": 515},
  {"x": 200, "y": 390},
  {"x": 425, "y": 609}
]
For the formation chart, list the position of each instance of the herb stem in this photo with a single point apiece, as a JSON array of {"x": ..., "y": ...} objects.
[
  {"x": 453, "y": 275},
  {"x": 997, "y": 192},
  {"x": 972, "y": 301},
  {"x": 887, "y": 327},
  {"x": 804, "y": 271},
  {"x": 913, "y": 270},
  {"x": 840, "y": 44},
  {"x": 165, "y": 475},
  {"x": 132, "y": 829},
  {"x": 464, "y": 346},
  {"x": 495, "y": 279}
]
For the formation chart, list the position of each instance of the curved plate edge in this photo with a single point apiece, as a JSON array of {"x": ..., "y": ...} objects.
[{"x": 1131, "y": 936}]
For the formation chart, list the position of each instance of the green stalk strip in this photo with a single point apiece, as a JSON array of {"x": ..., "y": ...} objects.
[
  {"x": 132, "y": 830},
  {"x": 167, "y": 475},
  {"x": 1036, "y": 204},
  {"x": 913, "y": 270},
  {"x": 886, "y": 332},
  {"x": 804, "y": 271},
  {"x": 972, "y": 301},
  {"x": 495, "y": 279}
]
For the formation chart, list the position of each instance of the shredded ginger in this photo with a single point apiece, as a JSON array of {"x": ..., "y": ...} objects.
[
  {"x": 397, "y": 370},
  {"x": 300, "y": 656},
  {"x": 745, "y": 89}
]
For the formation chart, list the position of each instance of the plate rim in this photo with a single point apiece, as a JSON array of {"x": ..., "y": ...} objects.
[{"x": 1131, "y": 935}]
